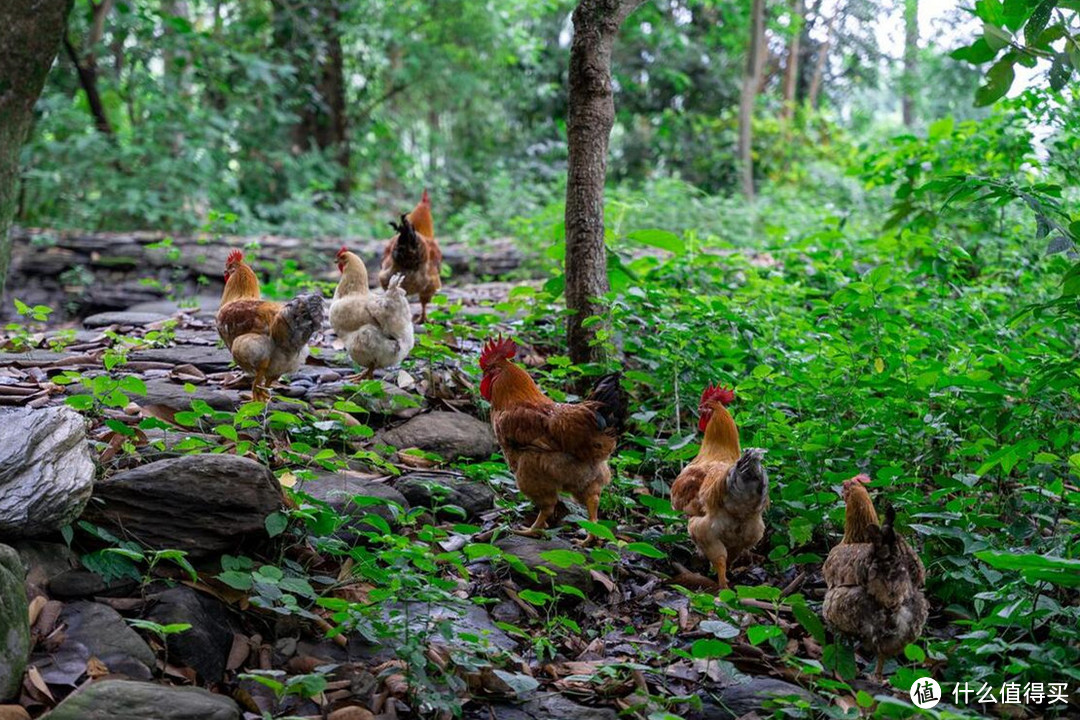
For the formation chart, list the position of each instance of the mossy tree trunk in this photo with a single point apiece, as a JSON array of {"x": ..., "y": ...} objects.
[
  {"x": 30, "y": 35},
  {"x": 591, "y": 115}
]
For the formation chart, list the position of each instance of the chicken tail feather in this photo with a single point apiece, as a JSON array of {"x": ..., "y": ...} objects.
[
  {"x": 297, "y": 322},
  {"x": 609, "y": 403}
]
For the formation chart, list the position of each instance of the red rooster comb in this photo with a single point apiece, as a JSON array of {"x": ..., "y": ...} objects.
[
  {"x": 424, "y": 199},
  {"x": 236, "y": 256},
  {"x": 494, "y": 350},
  {"x": 341, "y": 252},
  {"x": 862, "y": 478},
  {"x": 717, "y": 392}
]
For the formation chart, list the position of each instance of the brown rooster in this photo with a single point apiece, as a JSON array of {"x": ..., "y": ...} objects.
[
  {"x": 551, "y": 447},
  {"x": 266, "y": 339},
  {"x": 724, "y": 490},
  {"x": 414, "y": 254},
  {"x": 874, "y": 580}
]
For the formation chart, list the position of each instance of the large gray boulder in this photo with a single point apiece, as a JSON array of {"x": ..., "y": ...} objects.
[
  {"x": 14, "y": 623},
  {"x": 127, "y": 700},
  {"x": 46, "y": 472},
  {"x": 449, "y": 434},
  {"x": 203, "y": 504}
]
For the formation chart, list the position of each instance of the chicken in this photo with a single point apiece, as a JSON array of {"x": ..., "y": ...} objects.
[
  {"x": 414, "y": 253},
  {"x": 376, "y": 328},
  {"x": 551, "y": 447},
  {"x": 724, "y": 490},
  {"x": 874, "y": 580},
  {"x": 266, "y": 339}
]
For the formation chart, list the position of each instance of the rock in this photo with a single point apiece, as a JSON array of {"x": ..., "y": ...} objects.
[
  {"x": 95, "y": 630},
  {"x": 14, "y": 623},
  {"x": 338, "y": 490},
  {"x": 125, "y": 700},
  {"x": 529, "y": 551},
  {"x": 46, "y": 473},
  {"x": 204, "y": 646},
  {"x": 748, "y": 698},
  {"x": 449, "y": 434},
  {"x": 44, "y": 561},
  {"x": 136, "y": 319},
  {"x": 203, "y": 504},
  {"x": 209, "y": 359},
  {"x": 162, "y": 391},
  {"x": 76, "y": 583},
  {"x": 440, "y": 489},
  {"x": 548, "y": 706}
]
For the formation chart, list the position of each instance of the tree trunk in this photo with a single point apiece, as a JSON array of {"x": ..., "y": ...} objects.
[
  {"x": 591, "y": 115},
  {"x": 791, "y": 67},
  {"x": 311, "y": 35},
  {"x": 30, "y": 35},
  {"x": 749, "y": 94},
  {"x": 911, "y": 59},
  {"x": 86, "y": 66},
  {"x": 819, "y": 64}
]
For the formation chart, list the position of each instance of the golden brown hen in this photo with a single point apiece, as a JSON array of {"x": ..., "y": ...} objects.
[
  {"x": 724, "y": 490},
  {"x": 266, "y": 339},
  {"x": 551, "y": 447}
]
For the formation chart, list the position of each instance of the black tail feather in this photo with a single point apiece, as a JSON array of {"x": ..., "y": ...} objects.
[
  {"x": 610, "y": 402},
  {"x": 407, "y": 249}
]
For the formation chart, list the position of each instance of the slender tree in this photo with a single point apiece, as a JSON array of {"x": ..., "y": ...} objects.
[
  {"x": 911, "y": 59},
  {"x": 590, "y": 117},
  {"x": 30, "y": 35},
  {"x": 751, "y": 81},
  {"x": 791, "y": 66},
  {"x": 86, "y": 63}
]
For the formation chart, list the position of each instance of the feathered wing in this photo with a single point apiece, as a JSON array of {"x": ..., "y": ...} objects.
[
  {"x": 244, "y": 317},
  {"x": 576, "y": 430},
  {"x": 687, "y": 491},
  {"x": 349, "y": 313}
]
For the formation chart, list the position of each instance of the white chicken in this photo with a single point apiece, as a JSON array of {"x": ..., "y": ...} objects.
[{"x": 376, "y": 328}]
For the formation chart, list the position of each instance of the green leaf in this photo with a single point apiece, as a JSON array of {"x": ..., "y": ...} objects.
[
  {"x": 80, "y": 402},
  {"x": 999, "y": 78},
  {"x": 563, "y": 558},
  {"x": 227, "y": 431},
  {"x": 236, "y": 579},
  {"x": 914, "y": 653},
  {"x": 1033, "y": 567},
  {"x": 977, "y": 53},
  {"x": 719, "y": 628},
  {"x": 276, "y": 522},
  {"x": 643, "y": 548},
  {"x": 133, "y": 384},
  {"x": 758, "y": 634},
  {"x": 810, "y": 622},
  {"x": 662, "y": 239},
  {"x": 996, "y": 37},
  {"x": 707, "y": 648},
  {"x": 535, "y": 597},
  {"x": 601, "y": 531}
]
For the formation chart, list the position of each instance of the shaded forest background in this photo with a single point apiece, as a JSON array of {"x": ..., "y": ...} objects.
[{"x": 324, "y": 117}]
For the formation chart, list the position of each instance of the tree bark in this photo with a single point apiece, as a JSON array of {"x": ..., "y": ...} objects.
[
  {"x": 791, "y": 67},
  {"x": 86, "y": 66},
  {"x": 311, "y": 32},
  {"x": 590, "y": 117},
  {"x": 30, "y": 35},
  {"x": 911, "y": 59},
  {"x": 820, "y": 62},
  {"x": 751, "y": 79}
]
